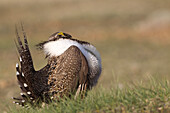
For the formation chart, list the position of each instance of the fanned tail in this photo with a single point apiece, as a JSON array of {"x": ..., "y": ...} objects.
[
  {"x": 25, "y": 72},
  {"x": 26, "y": 95}
]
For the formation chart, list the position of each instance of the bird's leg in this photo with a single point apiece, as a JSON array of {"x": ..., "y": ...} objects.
[
  {"x": 83, "y": 90},
  {"x": 77, "y": 92}
]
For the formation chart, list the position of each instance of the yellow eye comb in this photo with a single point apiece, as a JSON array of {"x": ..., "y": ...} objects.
[{"x": 61, "y": 33}]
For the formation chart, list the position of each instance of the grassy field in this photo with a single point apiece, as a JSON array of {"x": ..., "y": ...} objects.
[
  {"x": 135, "y": 98},
  {"x": 132, "y": 37}
]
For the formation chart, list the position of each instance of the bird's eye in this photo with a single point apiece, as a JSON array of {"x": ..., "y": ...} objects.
[{"x": 60, "y": 34}]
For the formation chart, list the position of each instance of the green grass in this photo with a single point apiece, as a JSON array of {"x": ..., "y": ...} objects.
[{"x": 153, "y": 96}]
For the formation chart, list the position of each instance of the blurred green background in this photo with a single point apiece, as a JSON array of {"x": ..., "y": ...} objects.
[{"x": 132, "y": 36}]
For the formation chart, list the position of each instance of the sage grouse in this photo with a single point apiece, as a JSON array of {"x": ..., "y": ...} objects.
[{"x": 73, "y": 67}]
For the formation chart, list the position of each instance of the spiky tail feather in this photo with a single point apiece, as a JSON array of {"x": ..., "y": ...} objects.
[
  {"x": 25, "y": 72},
  {"x": 26, "y": 93}
]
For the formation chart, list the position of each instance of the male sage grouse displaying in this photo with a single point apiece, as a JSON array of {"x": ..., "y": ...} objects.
[{"x": 73, "y": 67}]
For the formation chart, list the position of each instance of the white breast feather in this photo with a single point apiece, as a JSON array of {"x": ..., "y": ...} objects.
[
  {"x": 56, "y": 48},
  {"x": 92, "y": 49}
]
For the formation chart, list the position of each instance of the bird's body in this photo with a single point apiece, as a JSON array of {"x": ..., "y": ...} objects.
[{"x": 73, "y": 67}]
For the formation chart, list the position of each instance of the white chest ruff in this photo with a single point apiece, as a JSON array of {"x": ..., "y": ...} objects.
[{"x": 56, "y": 48}]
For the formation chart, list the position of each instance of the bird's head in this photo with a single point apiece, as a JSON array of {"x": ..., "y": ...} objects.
[
  {"x": 54, "y": 37},
  {"x": 59, "y": 35}
]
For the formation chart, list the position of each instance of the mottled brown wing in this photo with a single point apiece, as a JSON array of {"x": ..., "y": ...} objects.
[{"x": 68, "y": 71}]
